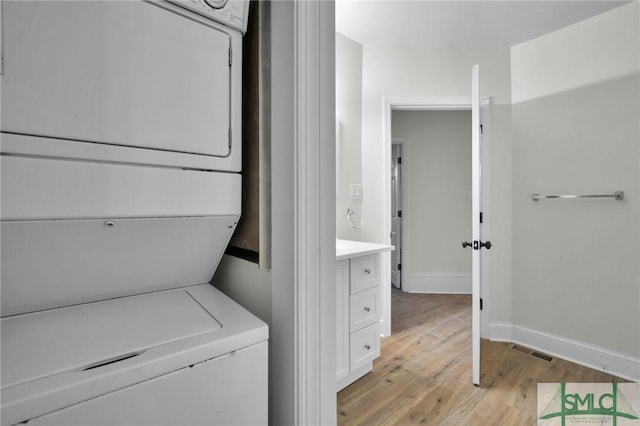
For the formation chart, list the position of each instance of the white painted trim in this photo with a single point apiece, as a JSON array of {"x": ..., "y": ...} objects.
[
  {"x": 438, "y": 283},
  {"x": 430, "y": 103},
  {"x": 305, "y": 169},
  {"x": 500, "y": 332},
  {"x": 385, "y": 258},
  {"x": 591, "y": 356},
  {"x": 314, "y": 212},
  {"x": 326, "y": 73}
]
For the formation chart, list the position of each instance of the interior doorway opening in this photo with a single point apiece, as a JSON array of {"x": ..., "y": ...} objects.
[
  {"x": 434, "y": 104},
  {"x": 436, "y": 194}
]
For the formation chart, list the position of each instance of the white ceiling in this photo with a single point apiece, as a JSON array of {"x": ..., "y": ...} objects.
[{"x": 476, "y": 23}]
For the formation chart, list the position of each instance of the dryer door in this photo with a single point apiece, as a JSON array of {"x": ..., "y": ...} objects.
[{"x": 124, "y": 73}]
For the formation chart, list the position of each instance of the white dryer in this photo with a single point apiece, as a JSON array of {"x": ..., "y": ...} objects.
[
  {"x": 120, "y": 161},
  {"x": 163, "y": 83}
]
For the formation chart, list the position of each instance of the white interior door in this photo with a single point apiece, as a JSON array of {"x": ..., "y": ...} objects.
[{"x": 475, "y": 219}]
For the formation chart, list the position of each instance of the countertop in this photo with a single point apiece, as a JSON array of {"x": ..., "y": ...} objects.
[{"x": 346, "y": 249}]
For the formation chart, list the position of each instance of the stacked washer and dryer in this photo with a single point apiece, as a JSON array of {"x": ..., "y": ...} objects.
[{"x": 121, "y": 187}]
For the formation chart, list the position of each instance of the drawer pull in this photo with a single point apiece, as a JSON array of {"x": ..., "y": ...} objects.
[
  {"x": 367, "y": 309},
  {"x": 368, "y": 271},
  {"x": 367, "y": 347}
]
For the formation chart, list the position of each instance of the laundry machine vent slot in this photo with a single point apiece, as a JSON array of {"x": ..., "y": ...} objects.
[{"x": 112, "y": 361}]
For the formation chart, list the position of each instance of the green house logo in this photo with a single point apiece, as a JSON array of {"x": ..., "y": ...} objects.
[{"x": 588, "y": 403}]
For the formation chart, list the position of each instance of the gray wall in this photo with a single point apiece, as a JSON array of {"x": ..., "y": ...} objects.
[
  {"x": 576, "y": 130},
  {"x": 282, "y": 335},
  {"x": 437, "y": 167}
]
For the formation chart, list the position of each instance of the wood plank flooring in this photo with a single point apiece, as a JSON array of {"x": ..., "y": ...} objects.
[{"x": 424, "y": 373}]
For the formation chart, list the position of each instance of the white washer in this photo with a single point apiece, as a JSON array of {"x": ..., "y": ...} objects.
[
  {"x": 187, "y": 356},
  {"x": 120, "y": 161}
]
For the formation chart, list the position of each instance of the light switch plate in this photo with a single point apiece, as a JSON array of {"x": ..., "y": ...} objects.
[{"x": 355, "y": 191}]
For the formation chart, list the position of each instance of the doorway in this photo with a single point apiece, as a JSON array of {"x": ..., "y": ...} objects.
[
  {"x": 437, "y": 195},
  {"x": 441, "y": 104}
]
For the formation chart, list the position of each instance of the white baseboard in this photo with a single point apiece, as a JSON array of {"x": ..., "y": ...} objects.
[
  {"x": 437, "y": 283},
  {"x": 581, "y": 353}
]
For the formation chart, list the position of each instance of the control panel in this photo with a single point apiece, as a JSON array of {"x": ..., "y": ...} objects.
[{"x": 232, "y": 13}]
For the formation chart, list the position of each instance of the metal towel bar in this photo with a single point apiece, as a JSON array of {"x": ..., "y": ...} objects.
[{"x": 618, "y": 196}]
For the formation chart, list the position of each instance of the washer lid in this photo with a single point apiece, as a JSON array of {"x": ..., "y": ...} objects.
[
  {"x": 84, "y": 337},
  {"x": 57, "y": 358}
]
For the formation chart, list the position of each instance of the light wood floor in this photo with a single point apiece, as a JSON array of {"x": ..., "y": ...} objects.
[{"x": 424, "y": 373}]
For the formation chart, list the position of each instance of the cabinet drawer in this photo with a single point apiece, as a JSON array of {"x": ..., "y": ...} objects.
[
  {"x": 364, "y": 346},
  {"x": 364, "y": 309},
  {"x": 363, "y": 273}
]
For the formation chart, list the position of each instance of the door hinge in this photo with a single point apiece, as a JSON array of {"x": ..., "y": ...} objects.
[
  {"x": 230, "y": 56},
  {"x": 399, "y": 160},
  {"x": 481, "y": 306},
  {"x": 399, "y": 213},
  {"x": 481, "y": 217},
  {"x": 399, "y": 266},
  {"x": 481, "y": 130},
  {"x": 230, "y": 138}
]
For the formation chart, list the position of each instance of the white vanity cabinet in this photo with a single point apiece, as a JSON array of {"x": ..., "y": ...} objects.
[
  {"x": 358, "y": 329},
  {"x": 358, "y": 308}
]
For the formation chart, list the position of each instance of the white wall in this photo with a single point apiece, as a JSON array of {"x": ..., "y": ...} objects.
[
  {"x": 576, "y": 96},
  {"x": 245, "y": 283},
  {"x": 436, "y": 165},
  {"x": 349, "y": 117},
  {"x": 602, "y": 48},
  {"x": 391, "y": 73}
]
